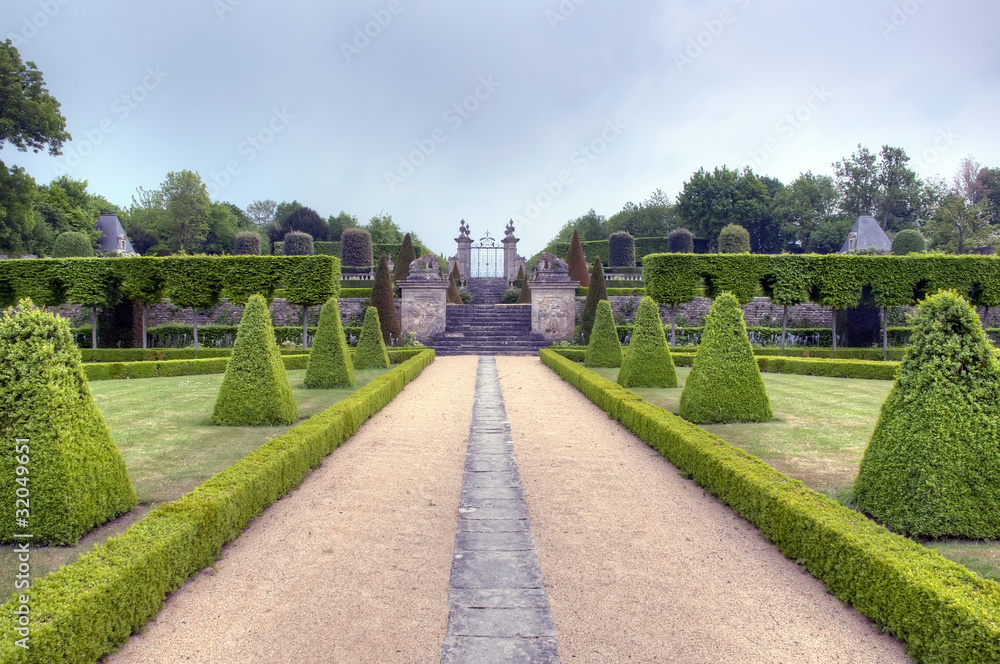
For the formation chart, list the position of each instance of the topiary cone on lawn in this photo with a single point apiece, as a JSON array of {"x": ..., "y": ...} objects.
[
  {"x": 648, "y": 362},
  {"x": 75, "y": 475},
  {"x": 932, "y": 467},
  {"x": 725, "y": 384},
  {"x": 604, "y": 349},
  {"x": 382, "y": 300},
  {"x": 330, "y": 362},
  {"x": 255, "y": 390},
  {"x": 596, "y": 292},
  {"x": 371, "y": 352}
]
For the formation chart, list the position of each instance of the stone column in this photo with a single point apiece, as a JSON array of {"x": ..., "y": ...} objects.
[
  {"x": 553, "y": 300},
  {"x": 424, "y": 300},
  {"x": 464, "y": 255},
  {"x": 510, "y": 252}
]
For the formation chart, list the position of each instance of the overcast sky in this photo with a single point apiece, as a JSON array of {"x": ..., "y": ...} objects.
[{"x": 537, "y": 111}]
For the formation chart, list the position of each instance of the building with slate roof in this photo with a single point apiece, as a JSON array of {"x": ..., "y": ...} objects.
[
  {"x": 866, "y": 234},
  {"x": 114, "y": 238}
]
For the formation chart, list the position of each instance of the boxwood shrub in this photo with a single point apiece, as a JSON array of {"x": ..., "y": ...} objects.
[
  {"x": 647, "y": 360},
  {"x": 329, "y": 361},
  {"x": 371, "y": 352},
  {"x": 604, "y": 349}
]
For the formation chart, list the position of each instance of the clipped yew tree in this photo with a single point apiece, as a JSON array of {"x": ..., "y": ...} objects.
[
  {"x": 297, "y": 244},
  {"x": 356, "y": 248},
  {"x": 406, "y": 255},
  {"x": 680, "y": 241},
  {"x": 604, "y": 348},
  {"x": 621, "y": 249},
  {"x": 329, "y": 361},
  {"x": 648, "y": 362},
  {"x": 725, "y": 384},
  {"x": 247, "y": 243},
  {"x": 908, "y": 241},
  {"x": 382, "y": 300},
  {"x": 371, "y": 352},
  {"x": 577, "y": 261},
  {"x": 75, "y": 475},
  {"x": 72, "y": 244},
  {"x": 597, "y": 292},
  {"x": 734, "y": 239},
  {"x": 453, "y": 296},
  {"x": 255, "y": 390},
  {"x": 932, "y": 467},
  {"x": 524, "y": 297}
]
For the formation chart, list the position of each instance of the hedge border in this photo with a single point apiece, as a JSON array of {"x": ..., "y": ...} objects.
[
  {"x": 85, "y": 610},
  {"x": 942, "y": 612}
]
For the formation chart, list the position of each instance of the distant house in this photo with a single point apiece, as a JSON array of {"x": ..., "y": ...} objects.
[
  {"x": 114, "y": 235},
  {"x": 866, "y": 234}
]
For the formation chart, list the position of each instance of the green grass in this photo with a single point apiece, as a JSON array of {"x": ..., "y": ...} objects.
[
  {"x": 163, "y": 428},
  {"x": 820, "y": 430}
]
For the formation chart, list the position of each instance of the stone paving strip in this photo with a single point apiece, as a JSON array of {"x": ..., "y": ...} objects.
[
  {"x": 499, "y": 611},
  {"x": 351, "y": 567},
  {"x": 641, "y": 565}
]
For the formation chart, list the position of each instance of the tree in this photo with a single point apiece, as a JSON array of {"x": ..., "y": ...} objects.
[
  {"x": 384, "y": 230},
  {"x": 382, "y": 300},
  {"x": 261, "y": 213},
  {"x": 577, "y": 262},
  {"x": 72, "y": 244},
  {"x": 680, "y": 241},
  {"x": 284, "y": 210},
  {"x": 988, "y": 183},
  {"x": 621, "y": 249},
  {"x": 356, "y": 248},
  {"x": 247, "y": 243},
  {"x": 908, "y": 241},
  {"x": 966, "y": 181},
  {"x": 801, "y": 207},
  {"x": 857, "y": 181},
  {"x": 590, "y": 226},
  {"x": 882, "y": 186},
  {"x": 306, "y": 220},
  {"x": 596, "y": 293},
  {"x": 647, "y": 360},
  {"x": 188, "y": 210},
  {"x": 297, "y": 244},
  {"x": 223, "y": 226},
  {"x": 734, "y": 239},
  {"x": 340, "y": 223},
  {"x": 144, "y": 220},
  {"x": 405, "y": 256},
  {"x": 958, "y": 227},
  {"x": 710, "y": 201}
]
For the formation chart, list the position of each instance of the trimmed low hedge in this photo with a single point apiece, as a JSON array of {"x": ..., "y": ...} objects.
[
  {"x": 943, "y": 612},
  {"x": 84, "y": 610},
  {"x": 160, "y": 354},
  {"x": 355, "y": 292},
  {"x": 614, "y": 292}
]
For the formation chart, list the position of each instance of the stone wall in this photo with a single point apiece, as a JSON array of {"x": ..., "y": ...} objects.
[{"x": 758, "y": 312}]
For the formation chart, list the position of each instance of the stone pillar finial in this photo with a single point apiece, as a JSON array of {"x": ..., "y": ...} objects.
[
  {"x": 464, "y": 256},
  {"x": 510, "y": 252}
]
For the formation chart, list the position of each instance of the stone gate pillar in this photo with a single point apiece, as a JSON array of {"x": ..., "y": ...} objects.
[
  {"x": 553, "y": 299},
  {"x": 464, "y": 256},
  {"x": 510, "y": 252},
  {"x": 424, "y": 299}
]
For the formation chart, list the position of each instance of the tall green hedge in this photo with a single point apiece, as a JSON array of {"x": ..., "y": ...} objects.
[
  {"x": 371, "y": 351},
  {"x": 74, "y": 477},
  {"x": 604, "y": 349},
  {"x": 329, "y": 362},
  {"x": 647, "y": 360},
  {"x": 725, "y": 384}
]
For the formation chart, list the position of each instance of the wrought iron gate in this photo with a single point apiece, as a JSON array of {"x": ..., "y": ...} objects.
[{"x": 487, "y": 258}]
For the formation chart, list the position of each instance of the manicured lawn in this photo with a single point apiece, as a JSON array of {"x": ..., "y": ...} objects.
[
  {"x": 163, "y": 428},
  {"x": 820, "y": 432}
]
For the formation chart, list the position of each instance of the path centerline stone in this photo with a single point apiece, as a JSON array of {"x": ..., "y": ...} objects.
[{"x": 498, "y": 607}]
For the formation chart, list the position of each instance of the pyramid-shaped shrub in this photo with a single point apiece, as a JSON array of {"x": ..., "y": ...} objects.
[
  {"x": 604, "y": 349},
  {"x": 382, "y": 300},
  {"x": 932, "y": 467},
  {"x": 330, "y": 363},
  {"x": 647, "y": 360},
  {"x": 725, "y": 384},
  {"x": 255, "y": 390},
  {"x": 74, "y": 474},
  {"x": 577, "y": 262},
  {"x": 371, "y": 352},
  {"x": 453, "y": 296},
  {"x": 596, "y": 292}
]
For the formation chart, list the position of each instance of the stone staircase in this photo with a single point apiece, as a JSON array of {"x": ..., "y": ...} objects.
[
  {"x": 488, "y": 329},
  {"x": 487, "y": 290}
]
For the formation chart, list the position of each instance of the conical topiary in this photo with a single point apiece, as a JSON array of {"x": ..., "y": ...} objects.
[
  {"x": 604, "y": 349},
  {"x": 371, "y": 352},
  {"x": 329, "y": 361},
  {"x": 595, "y": 293},
  {"x": 255, "y": 390},
  {"x": 382, "y": 299},
  {"x": 577, "y": 262},
  {"x": 406, "y": 256},
  {"x": 932, "y": 467},
  {"x": 725, "y": 384},
  {"x": 453, "y": 296},
  {"x": 648, "y": 362},
  {"x": 52, "y": 427},
  {"x": 524, "y": 297}
]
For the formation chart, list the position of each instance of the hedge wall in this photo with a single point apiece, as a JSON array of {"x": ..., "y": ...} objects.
[
  {"x": 84, "y": 610},
  {"x": 943, "y": 612},
  {"x": 643, "y": 247},
  {"x": 874, "y": 355}
]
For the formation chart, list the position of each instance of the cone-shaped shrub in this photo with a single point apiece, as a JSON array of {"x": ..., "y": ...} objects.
[
  {"x": 932, "y": 467},
  {"x": 255, "y": 390},
  {"x": 577, "y": 262},
  {"x": 595, "y": 293},
  {"x": 647, "y": 360},
  {"x": 406, "y": 256},
  {"x": 329, "y": 361},
  {"x": 519, "y": 280},
  {"x": 75, "y": 474},
  {"x": 382, "y": 300},
  {"x": 371, "y": 352},
  {"x": 725, "y": 384},
  {"x": 454, "y": 296},
  {"x": 524, "y": 297},
  {"x": 604, "y": 349}
]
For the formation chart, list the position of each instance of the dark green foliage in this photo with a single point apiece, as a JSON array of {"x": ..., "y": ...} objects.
[
  {"x": 908, "y": 241},
  {"x": 297, "y": 244},
  {"x": 680, "y": 241},
  {"x": 644, "y": 246},
  {"x": 734, "y": 239},
  {"x": 519, "y": 280},
  {"x": 329, "y": 361},
  {"x": 577, "y": 262},
  {"x": 453, "y": 296},
  {"x": 405, "y": 256},
  {"x": 356, "y": 248},
  {"x": 621, "y": 247},
  {"x": 466, "y": 296},
  {"x": 725, "y": 384},
  {"x": 510, "y": 296},
  {"x": 247, "y": 243},
  {"x": 943, "y": 612},
  {"x": 128, "y": 578},
  {"x": 306, "y": 220},
  {"x": 382, "y": 300},
  {"x": 255, "y": 390},
  {"x": 371, "y": 351},
  {"x": 595, "y": 293},
  {"x": 932, "y": 467},
  {"x": 72, "y": 244},
  {"x": 647, "y": 360},
  {"x": 524, "y": 297},
  {"x": 75, "y": 476},
  {"x": 604, "y": 349}
]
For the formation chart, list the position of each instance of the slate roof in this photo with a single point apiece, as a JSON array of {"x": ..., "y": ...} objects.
[
  {"x": 867, "y": 233},
  {"x": 113, "y": 232}
]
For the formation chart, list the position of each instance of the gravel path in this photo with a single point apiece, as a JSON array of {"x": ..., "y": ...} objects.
[{"x": 641, "y": 565}]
